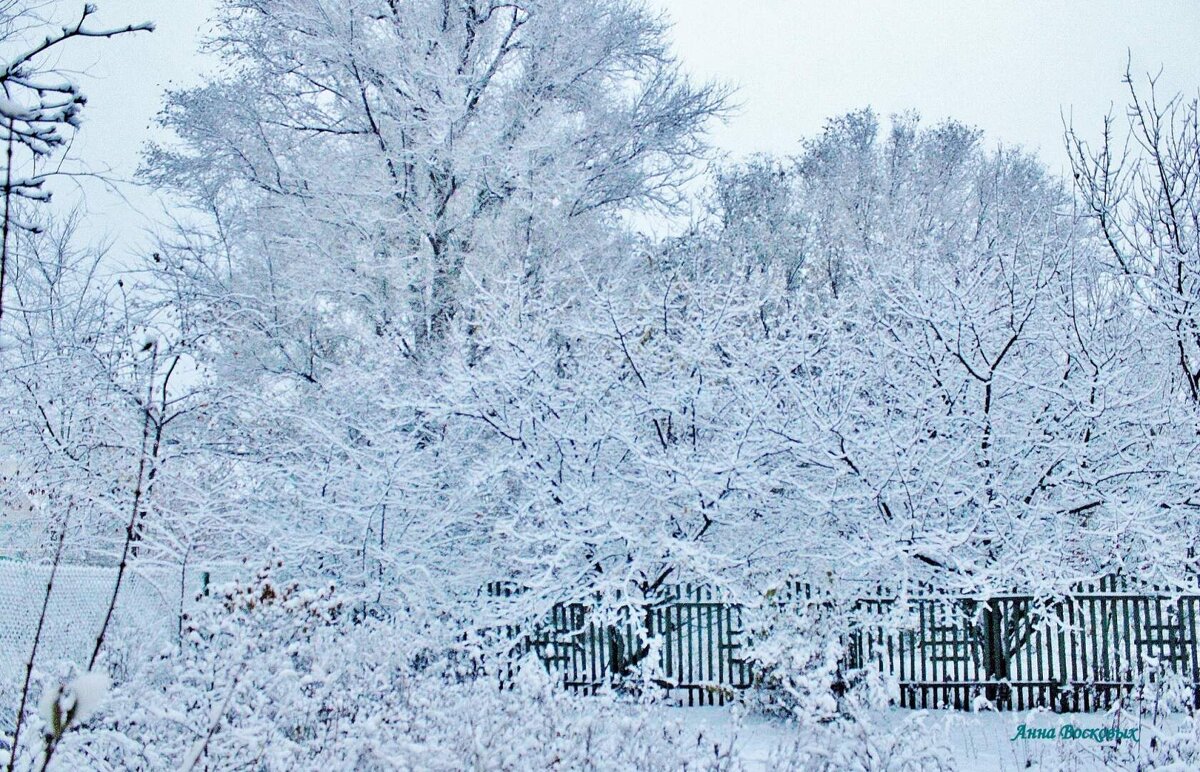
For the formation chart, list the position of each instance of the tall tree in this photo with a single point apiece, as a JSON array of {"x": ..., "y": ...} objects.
[
  {"x": 384, "y": 150},
  {"x": 383, "y": 182}
]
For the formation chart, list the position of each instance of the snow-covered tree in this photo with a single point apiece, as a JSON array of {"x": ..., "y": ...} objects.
[
  {"x": 393, "y": 192},
  {"x": 385, "y": 152},
  {"x": 979, "y": 393}
]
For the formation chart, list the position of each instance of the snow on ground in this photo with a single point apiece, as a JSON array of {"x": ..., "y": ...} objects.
[{"x": 981, "y": 742}]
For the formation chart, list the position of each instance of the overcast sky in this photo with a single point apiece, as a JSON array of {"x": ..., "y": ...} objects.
[{"x": 1010, "y": 68}]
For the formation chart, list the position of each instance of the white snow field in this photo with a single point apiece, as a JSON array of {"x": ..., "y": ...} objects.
[{"x": 977, "y": 742}]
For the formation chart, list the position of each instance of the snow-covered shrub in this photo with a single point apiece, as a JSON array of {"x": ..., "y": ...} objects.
[
  {"x": 867, "y": 740},
  {"x": 840, "y": 716},
  {"x": 272, "y": 676},
  {"x": 537, "y": 725},
  {"x": 259, "y": 670},
  {"x": 797, "y": 656}
]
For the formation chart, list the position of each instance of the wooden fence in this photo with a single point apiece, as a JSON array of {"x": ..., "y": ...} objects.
[{"x": 1079, "y": 652}]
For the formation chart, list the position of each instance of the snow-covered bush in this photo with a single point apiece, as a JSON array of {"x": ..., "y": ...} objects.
[
  {"x": 272, "y": 676},
  {"x": 866, "y": 741},
  {"x": 797, "y": 654},
  {"x": 840, "y": 715},
  {"x": 536, "y": 725}
]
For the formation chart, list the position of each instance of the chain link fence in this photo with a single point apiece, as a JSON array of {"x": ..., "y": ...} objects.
[{"x": 147, "y": 615}]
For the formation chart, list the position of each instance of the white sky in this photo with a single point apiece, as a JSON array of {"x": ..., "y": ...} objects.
[
  {"x": 124, "y": 83},
  {"x": 1010, "y": 68}
]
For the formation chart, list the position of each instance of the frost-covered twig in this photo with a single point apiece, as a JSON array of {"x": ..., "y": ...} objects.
[
  {"x": 214, "y": 723},
  {"x": 37, "y": 638},
  {"x": 135, "y": 508}
]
